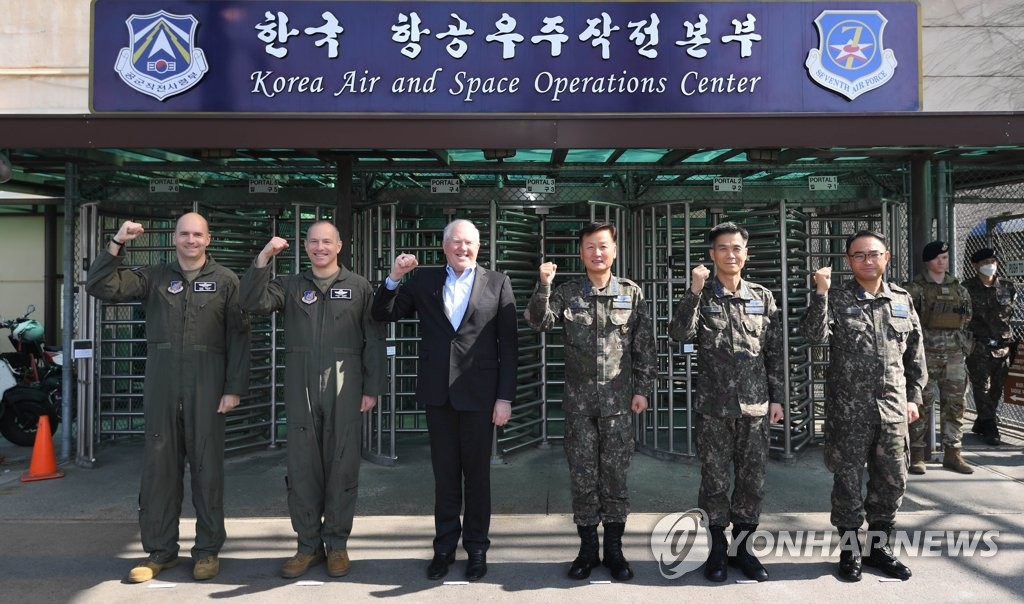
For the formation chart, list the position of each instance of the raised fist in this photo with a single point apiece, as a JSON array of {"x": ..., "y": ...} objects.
[
  {"x": 129, "y": 230},
  {"x": 547, "y": 272},
  {"x": 698, "y": 277},
  {"x": 403, "y": 264},
  {"x": 822, "y": 279},
  {"x": 274, "y": 247}
]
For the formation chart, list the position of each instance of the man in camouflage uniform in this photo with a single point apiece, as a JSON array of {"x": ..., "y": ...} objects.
[
  {"x": 610, "y": 369},
  {"x": 993, "y": 300},
  {"x": 738, "y": 332},
  {"x": 944, "y": 307},
  {"x": 874, "y": 380}
]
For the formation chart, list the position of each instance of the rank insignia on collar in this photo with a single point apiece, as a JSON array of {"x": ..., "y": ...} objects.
[
  {"x": 204, "y": 286},
  {"x": 176, "y": 287},
  {"x": 341, "y": 294},
  {"x": 309, "y": 297}
]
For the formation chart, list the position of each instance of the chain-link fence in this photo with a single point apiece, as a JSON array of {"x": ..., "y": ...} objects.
[{"x": 989, "y": 213}]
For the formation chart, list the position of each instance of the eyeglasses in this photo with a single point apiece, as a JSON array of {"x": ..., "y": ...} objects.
[{"x": 862, "y": 256}]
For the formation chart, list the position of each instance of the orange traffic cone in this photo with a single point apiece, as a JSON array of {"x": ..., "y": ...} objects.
[{"x": 43, "y": 465}]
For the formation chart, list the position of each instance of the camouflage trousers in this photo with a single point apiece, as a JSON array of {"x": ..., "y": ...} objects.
[
  {"x": 947, "y": 375},
  {"x": 599, "y": 450},
  {"x": 883, "y": 448},
  {"x": 988, "y": 378},
  {"x": 724, "y": 443}
]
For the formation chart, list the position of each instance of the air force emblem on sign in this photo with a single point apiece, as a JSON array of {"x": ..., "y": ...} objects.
[
  {"x": 850, "y": 58},
  {"x": 162, "y": 60}
]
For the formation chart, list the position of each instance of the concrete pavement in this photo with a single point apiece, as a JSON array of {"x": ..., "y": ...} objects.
[{"x": 74, "y": 538}]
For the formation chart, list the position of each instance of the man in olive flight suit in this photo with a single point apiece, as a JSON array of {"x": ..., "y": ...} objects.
[
  {"x": 197, "y": 368},
  {"x": 334, "y": 371}
]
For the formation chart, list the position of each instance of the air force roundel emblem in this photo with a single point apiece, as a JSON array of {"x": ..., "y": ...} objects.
[
  {"x": 850, "y": 58},
  {"x": 162, "y": 59}
]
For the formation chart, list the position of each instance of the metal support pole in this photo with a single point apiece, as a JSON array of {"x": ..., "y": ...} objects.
[
  {"x": 544, "y": 442},
  {"x": 273, "y": 356},
  {"x": 68, "y": 320},
  {"x": 922, "y": 209},
  {"x": 492, "y": 245},
  {"x": 85, "y": 386},
  {"x": 343, "y": 207},
  {"x": 787, "y": 448},
  {"x": 393, "y": 412},
  {"x": 689, "y": 357}
]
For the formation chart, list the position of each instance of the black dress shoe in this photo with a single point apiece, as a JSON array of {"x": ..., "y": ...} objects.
[
  {"x": 438, "y": 567},
  {"x": 992, "y": 438},
  {"x": 850, "y": 566},
  {"x": 751, "y": 567},
  {"x": 476, "y": 567}
]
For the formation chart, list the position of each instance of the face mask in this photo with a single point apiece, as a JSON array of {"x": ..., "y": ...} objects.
[{"x": 988, "y": 270}]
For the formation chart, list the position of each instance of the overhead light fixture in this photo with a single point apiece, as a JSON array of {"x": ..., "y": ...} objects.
[
  {"x": 498, "y": 153},
  {"x": 216, "y": 153},
  {"x": 6, "y": 171},
  {"x": 763, "y": 155}
]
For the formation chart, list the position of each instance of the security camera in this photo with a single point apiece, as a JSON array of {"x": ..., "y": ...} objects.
[{"x": 5, "y": 168}]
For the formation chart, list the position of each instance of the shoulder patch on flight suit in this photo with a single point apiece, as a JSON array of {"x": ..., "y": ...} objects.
[
  {"x": 341, "y": 294},
  {"x": 204, "y": 286},
  {"x": 176, "y": 287},
  {"x": 308, "y": 296}
]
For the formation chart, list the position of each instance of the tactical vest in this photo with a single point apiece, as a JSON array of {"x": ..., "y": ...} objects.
[{"x": 942, "y": 310}]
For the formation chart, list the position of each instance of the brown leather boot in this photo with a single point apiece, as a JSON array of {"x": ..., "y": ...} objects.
[
  {"x": 953, "y": 461},
  {"x": 917, "y": 461}
]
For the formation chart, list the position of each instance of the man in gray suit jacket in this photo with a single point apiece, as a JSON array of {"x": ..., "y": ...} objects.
[{"x": 466, "y": 378}]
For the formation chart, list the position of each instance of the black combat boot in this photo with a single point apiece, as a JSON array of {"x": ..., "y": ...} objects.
[
  {"x": 588, "y": 557},
  {"x": 745, "y": 560},
  {"x": 849, "y": 555},
  {"x": 716, "y": 568},
  {"x": 880, "y": 557},
  {"x": 991, "y": 435},
  {"x": 613, "y": 557}
]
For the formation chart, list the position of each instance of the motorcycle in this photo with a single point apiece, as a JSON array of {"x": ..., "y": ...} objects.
[{"x": 30, "y": 381}]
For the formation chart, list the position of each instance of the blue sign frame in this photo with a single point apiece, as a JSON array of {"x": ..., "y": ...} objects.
[{"x": 442, "y": 58}]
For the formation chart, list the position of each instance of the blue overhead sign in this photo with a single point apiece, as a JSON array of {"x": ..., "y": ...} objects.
[{"x": 408, "y": 57}]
